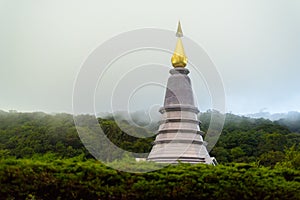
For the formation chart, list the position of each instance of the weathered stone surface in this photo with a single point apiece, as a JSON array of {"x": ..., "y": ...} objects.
[
  {"x": 179, "y": 90},
  {"x": 179, "y": 137}
]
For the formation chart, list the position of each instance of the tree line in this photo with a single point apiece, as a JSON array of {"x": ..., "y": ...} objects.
[
  {"x": 243, "y": 139},
  {"x": 42, "y": 157}
]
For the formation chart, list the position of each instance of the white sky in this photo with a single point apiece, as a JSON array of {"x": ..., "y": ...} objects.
[{"x": 254, "y": 44}]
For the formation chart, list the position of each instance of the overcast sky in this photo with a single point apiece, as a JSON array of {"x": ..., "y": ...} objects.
[{"x": 254, "y": 44}]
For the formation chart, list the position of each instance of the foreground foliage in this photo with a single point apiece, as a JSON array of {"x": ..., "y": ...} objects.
[
  {"x": 78, "y": 179},
  {"x": 42, "y": 157}
]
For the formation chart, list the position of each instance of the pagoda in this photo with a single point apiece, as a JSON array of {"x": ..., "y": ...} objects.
[{"x": 179, "y": 138}]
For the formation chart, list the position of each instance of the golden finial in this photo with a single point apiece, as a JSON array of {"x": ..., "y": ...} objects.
[
  {"x": 179, "y": 58},
  {"x": 179, "y": 30}
]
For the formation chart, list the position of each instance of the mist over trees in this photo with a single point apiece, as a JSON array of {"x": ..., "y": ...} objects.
[
  {"x": 42, "y": 157},
  {"x": 243, "y": 139}
]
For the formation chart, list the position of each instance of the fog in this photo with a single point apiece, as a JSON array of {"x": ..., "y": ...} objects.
[{"x": 254, "y": 45}]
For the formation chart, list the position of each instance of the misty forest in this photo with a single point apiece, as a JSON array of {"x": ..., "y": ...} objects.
[{"x": 42, "y": 157}]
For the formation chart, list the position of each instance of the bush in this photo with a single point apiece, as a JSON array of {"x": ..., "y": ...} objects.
[{"x": 89, "y": 179}]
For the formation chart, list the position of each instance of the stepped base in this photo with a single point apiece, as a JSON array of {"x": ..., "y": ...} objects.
[
  {"x": 179, "y": 138},
  {"x": 174, "y": 152}
]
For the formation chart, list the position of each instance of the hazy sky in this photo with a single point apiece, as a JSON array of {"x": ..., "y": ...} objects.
[{"x": 254, "y": 44}]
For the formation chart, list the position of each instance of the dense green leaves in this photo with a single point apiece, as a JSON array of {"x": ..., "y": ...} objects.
[
  {"x": 242, "y": 140},
  {"x": 248, "y": 140},
  {"x": 27, "y": 134},
  {"x": 77, "y": 179},
  {"x": 42, "y": 157}
]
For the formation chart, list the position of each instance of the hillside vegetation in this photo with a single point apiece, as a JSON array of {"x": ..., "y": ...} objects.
[
  {"x": 76, "y": 179},
  {"x": 243, "y": 139},
  {"x": 42, "y": 157}
]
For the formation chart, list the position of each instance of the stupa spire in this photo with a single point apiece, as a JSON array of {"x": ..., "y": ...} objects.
[
  {"x": 179, "y": 58},
  {"x": 179, "y": 138},
  {"x": 179, "y": 32}
]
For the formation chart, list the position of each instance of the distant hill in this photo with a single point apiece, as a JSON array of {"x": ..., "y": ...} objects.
[
  {"x": 42, "y": 157},
  {"x": 243, "y": 139},
  {"x": 292, "y": 115},
  {"x": 290, "y": 119}
]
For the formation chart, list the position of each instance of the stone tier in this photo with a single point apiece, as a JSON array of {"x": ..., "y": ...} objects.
[
  {"x": 174, "y": 152},
  {"x": 179, "y": 137}
]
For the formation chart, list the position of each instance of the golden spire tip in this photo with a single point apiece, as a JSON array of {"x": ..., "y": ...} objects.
[
  {"x": 179, "y": 58},
  {"x": 179, "y": 32}
]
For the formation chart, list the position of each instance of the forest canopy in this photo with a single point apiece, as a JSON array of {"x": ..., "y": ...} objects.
[
  {"x": 42, "y": 157},
  {"x": 243, "y": 139}
]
